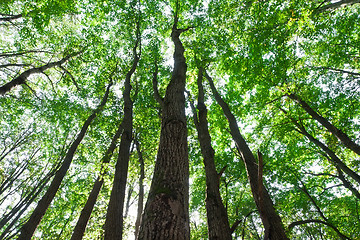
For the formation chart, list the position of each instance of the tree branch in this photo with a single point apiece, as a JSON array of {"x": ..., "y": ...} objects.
[{"x": 21, "y": 79}]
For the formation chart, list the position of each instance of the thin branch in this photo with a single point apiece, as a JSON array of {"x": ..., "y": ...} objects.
[
  {"x": 9, "y": 18},
  {"x": 14, "y": 65},
  {"x": 336, "y": 5},
  {"x": 71, "y": 77},
  {"x": 301, "y": 222},
  {"x": 21, "y": 79}
]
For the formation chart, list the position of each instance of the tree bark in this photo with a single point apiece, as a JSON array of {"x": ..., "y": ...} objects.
[
  {"x": 166, "y": 214},
  {"x": 114, "y": 217},
  {"x": 217, "y": 219},
  {"x": 21, "y": 79},
  {"x": 270, "y": 219},
  {"x": 343, "y": 137},
  {"x": 28, "y": 229},
  {"x": 80, "y": 227}
]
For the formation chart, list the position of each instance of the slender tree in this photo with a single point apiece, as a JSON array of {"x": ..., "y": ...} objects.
[
  {"x": 28, "y": 229},
  {"x": 84, "y": 217},
  {"x": 332, "y": 156},
  {"x": 271, "y": 220},
  {"x": 141, "y": 188},
  {"x": 343, "y": 137},
  {"x": 114, "y": 218},
  {"x": 217, "y": 219}
]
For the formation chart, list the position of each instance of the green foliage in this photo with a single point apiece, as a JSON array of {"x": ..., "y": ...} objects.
[{"x": 256, "y": 51}]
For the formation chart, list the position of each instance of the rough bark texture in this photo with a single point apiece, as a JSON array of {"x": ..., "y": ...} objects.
[
  {"x": 166, "y": 214},
  {"x": 114, "y": 217},
  {"x": 217, "y": 219},
  {"x": 272, "y": 222},
  {"x": 30, "y": 226},
  {"x": 343, "y": 137},
  {"x": 141, "y": 189},
  {"x": 80, "y": 227},
  {"x": 21, "y": 79}
]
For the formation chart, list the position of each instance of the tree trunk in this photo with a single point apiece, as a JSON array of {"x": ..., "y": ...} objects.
[
  {"x": 30, "y": 226},
  {"x": 217, "y": 219},
  {"x": 141, "y": 190},
  {"x": 80, "y": 227},
  {"x": 114, "y": 217},
  {"x": 343, "y": 137},
  {"x": 21, "y": 79},
  {"x": 272, "y": 222},
  {"x": 166, "y": 214}
]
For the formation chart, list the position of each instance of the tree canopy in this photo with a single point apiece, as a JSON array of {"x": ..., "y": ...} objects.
[{"x": 259, "y": 101}]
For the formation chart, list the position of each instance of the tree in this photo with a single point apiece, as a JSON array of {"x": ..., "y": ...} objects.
[{"x": 218, "y": 223}]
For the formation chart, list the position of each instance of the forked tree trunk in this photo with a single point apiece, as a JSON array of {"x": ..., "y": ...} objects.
[
  {"x": 217, "y": 219},
  {"x": 80, "y": 227},
  {"x": 274, "y": 229},
  {"x": 114, "y": 217},
  {"x": 166, "y": 214},
  {"x": 30, "y": 226},
  {"x": 343, "y": 137}
]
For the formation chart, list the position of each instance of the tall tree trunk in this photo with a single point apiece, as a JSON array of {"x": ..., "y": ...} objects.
[
  {"x": 80, "y": 227},
  {"x": 272, "y": 222},
  {"x": 30, "y": 226},
  {"x": 217, "y": 219},
  {"x": 21, "y": 79},
  {"x": 114, "y": 217},
  {"x": 141, "y": 189},
  {"x": 343, "y": 137},
  {"x": 166, "y": 214}
]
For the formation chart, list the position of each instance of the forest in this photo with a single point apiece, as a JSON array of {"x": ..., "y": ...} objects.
[{"x": 179, "y": 119}]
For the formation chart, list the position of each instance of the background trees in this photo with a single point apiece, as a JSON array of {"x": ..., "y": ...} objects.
[{"x": 288, "y": 71}]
